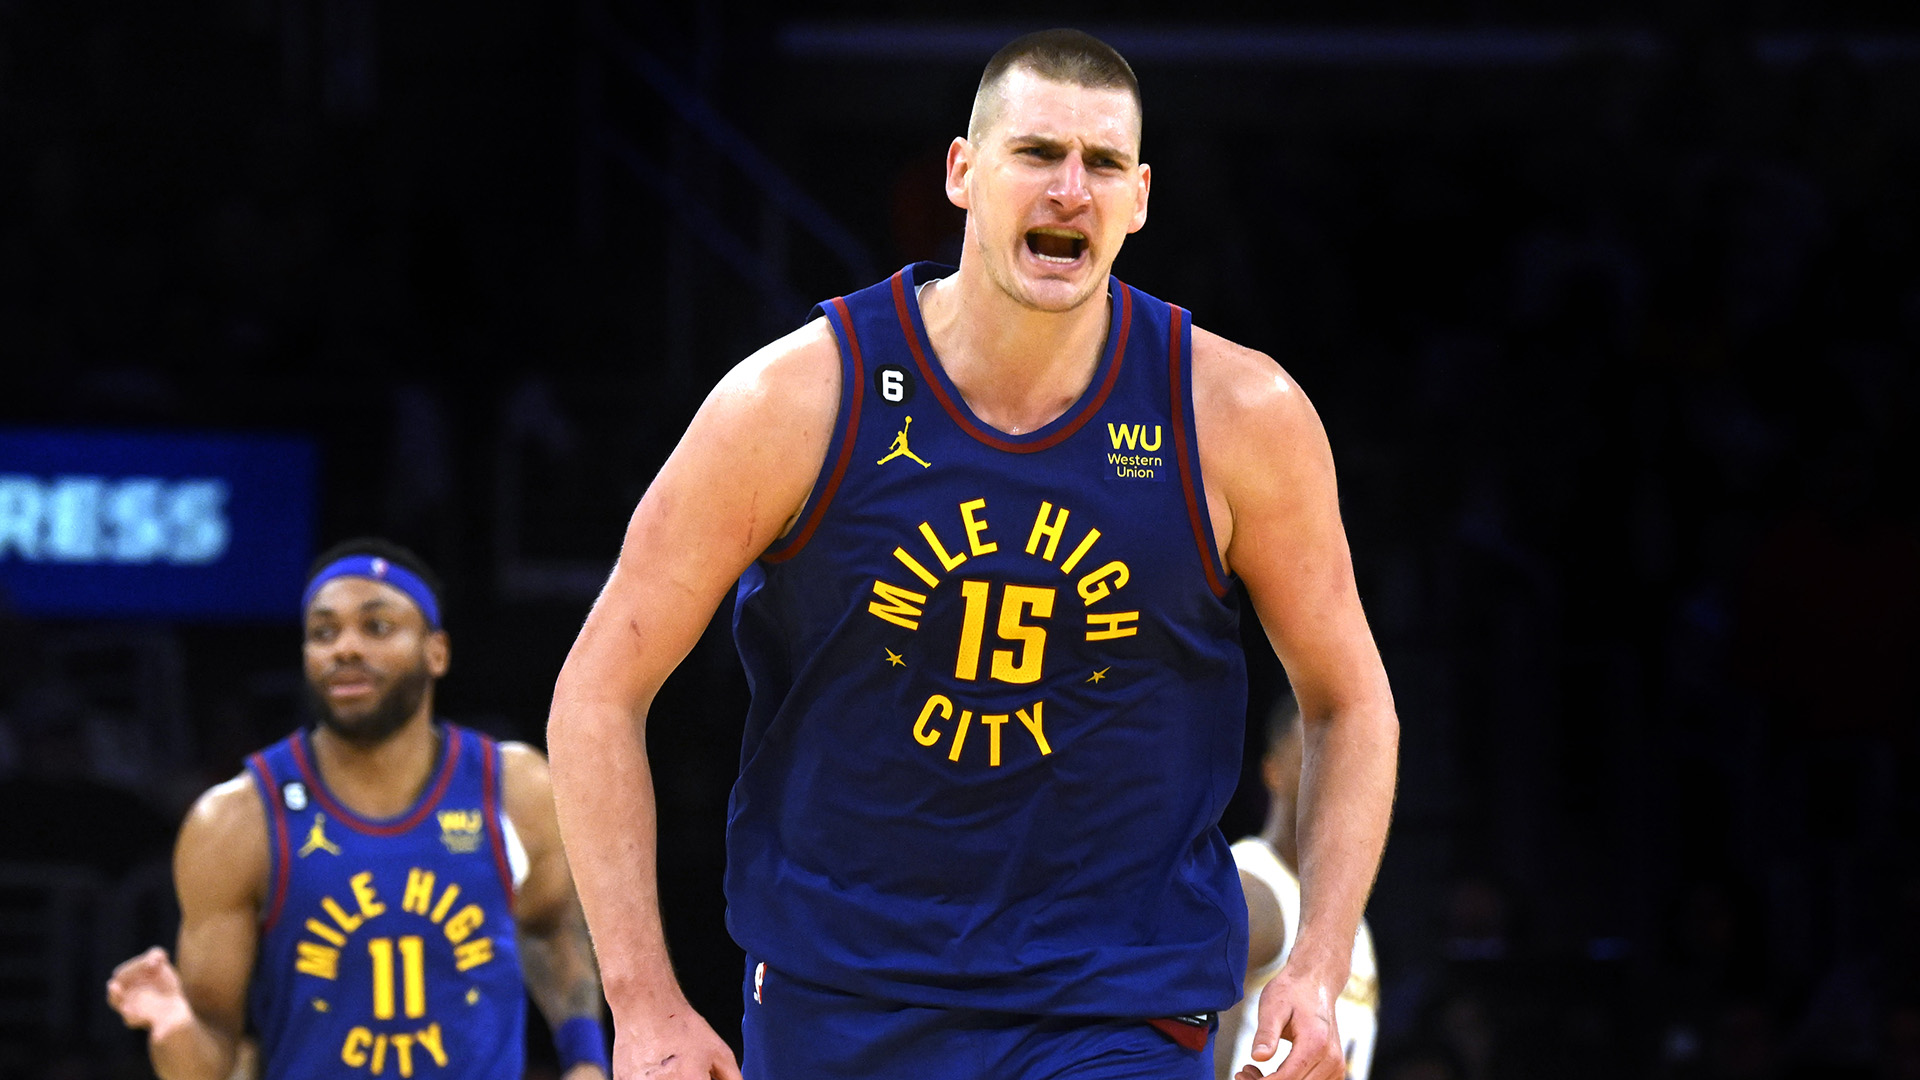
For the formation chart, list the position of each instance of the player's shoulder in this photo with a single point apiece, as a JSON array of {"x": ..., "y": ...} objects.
[
  {"x": 797, "y": 371},
  {"x": 1236, "y": 384},
  {"x": 232, "y": 810},
  {"x": 523, "y": 765},
  {"x": 222, "y": 848}
]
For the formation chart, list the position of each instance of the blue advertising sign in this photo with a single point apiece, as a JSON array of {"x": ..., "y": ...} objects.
[{"x": 102, "y": 523}]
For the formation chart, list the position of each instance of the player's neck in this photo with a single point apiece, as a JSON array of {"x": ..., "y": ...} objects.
[
  {"x": 383, "y": 779},
  {"x": 1018, "y": 369},
  {"x": 1280, "y": 836}
]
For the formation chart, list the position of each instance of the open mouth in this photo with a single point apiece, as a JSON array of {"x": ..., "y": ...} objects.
[{"x": 1056, "y": 245}]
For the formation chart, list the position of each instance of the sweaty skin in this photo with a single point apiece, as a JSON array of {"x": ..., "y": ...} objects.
[
  {"x": 1019, "y": 334},
  {"x": 193, "y": 1005}
]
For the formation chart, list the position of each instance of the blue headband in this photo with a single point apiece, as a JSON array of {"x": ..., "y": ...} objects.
[{"x": 379, "y": 569}]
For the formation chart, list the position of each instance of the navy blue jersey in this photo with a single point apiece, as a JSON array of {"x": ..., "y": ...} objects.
[
  {"x": 998, "y": 693},
  {"x": 387, "y": 948}
]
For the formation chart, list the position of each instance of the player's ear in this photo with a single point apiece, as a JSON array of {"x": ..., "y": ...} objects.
[
  {"x": 1143, "y": 186},
  {"x": 439, "y": 653},
  {"x": 959, "y": 168}
]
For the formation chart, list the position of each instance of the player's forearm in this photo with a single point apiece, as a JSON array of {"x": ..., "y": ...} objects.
[
  {"x": 1346, "y": 799},
  {"x": 603, "y": 793},
  {"x": 183, "y": 1047},
  {"x": 560, "y": 972}
]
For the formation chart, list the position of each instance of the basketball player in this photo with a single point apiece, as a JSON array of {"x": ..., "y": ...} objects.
[
  {"x": 377, "y": 894},
  {"x": 998, "y": 693},
  {"x": 1272, "y": 888}
]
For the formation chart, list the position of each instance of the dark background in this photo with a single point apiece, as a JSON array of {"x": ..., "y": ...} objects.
[{"x": 1611, "y": 310}]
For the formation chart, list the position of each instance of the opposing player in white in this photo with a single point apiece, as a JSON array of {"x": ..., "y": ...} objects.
[{"x": 1270, "y": 878}]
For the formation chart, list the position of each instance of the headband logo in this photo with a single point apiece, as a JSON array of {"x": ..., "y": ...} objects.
[{"x": 379, "y": 568}]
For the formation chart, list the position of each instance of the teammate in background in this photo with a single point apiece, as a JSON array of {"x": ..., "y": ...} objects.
[
  {"x": 998, "y": 692},
  {"x": 1272, "y": 886},
  {"x": 377, "y": 894}
]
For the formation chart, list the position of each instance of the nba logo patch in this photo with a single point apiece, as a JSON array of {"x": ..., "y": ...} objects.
[
  {"x": 759, "y": 980},
  {"x": 294, "y": 794}
]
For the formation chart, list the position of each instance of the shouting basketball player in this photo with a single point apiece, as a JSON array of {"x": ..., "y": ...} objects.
[{"x": 986, "y": 524}]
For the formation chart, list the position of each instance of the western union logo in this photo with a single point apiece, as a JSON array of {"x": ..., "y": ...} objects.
[
  {"x": 1133, "y": 437},
  {"x": 460, "y": 830}
]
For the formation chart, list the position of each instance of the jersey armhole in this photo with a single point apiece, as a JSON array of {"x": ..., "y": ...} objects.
[
  {"x": 846, "y": 425},
  {"x": 279, "y": 853},
  {"x": 1186, "y": 447},
  {"x": 490, "y": 812}
]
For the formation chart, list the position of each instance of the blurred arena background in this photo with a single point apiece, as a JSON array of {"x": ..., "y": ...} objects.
[{"x": 1611, "y": 308}]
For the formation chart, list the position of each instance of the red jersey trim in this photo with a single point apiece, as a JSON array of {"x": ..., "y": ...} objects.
[
  {"x": 1116, "y": 349},
  {"x": 1186, "y": 454},
  {"x": 490, "y": 771},
  {"x": 282, "y": 848},
  {"x": 437, "y": 788},
  {"x": 787, "y": 549}
]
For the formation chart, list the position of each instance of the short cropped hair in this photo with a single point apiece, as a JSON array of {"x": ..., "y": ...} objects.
[
  {"x": 1063, "y": 55},
  {"x": 381, "y": 548}
]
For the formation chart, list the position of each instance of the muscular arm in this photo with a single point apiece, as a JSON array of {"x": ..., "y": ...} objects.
[
  {"x": 555, "y": 956},
  {"x": 735, "y": 482},
  {"x": 1270, "y": 477},
  {"x": 195, "y": 1013}
]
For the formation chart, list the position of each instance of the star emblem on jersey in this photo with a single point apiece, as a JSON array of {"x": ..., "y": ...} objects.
[
  {"x": 899, "y": 448},
  {"x": 473, "y": 996},
  {"x": 894, "y": 658},
  {"x": 1098, "y": 675},
  {"x": 320, "y": 1005},
  {"x": 317, "y": 838}
]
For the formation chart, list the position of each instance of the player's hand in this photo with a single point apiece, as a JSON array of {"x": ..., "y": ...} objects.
[
  {"x": 676, "y": 1044},
  {"x": 146, "y": 992},
  {"x": 1299, "y": 1010}
]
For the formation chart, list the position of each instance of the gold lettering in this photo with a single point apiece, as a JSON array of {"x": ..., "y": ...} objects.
[
  {"x": 403, "y": 1045},
  {"x": 901, "y": 606},
  {"x": 1144, "y": 444},
  {"x": 924, "y": 735},
  {"x": 347, "y": 922},
  {"x": 354, "y": 1051},
  {"x": 1050, "y": 530},
  {"x": 419, "y": 892},
  {"x": 973, "y": 625},
  {"x": 1033, "y": 725},
  {"x": 380, "y": 953},
  {"x": 379, "y": 1054},
  {"x": 1093, "y": 588},
  {"x": 1112, "y": 622},
  {"x": 1086, "y": 545},
  {"x": 913, "y": 564},
  {"x": 473, "y": 953},
  {"x": 362, "y": 885},
  {"x": 322, "y": 930},
  {"x": 446, "y": 902},
  {"x": 1032, "y": 639},
  {"x": 464, "y": 922},
  {"x": 993, "y": 742},
  {"x": 317, "y": 960},
  {"x": 975, "y": 527},
  {"x": 1123, "y": 433},
  {"x": 430, "y": 1038},
  {"x": 939, "y": 550},
  {"x": 960, "y": 735}
]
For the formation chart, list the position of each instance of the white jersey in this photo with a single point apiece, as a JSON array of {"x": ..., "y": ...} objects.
[{"x": 1356, "y": 1014}]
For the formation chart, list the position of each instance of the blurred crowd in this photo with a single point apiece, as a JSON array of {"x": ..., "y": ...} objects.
[{"x": 1618, "y": 359}]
